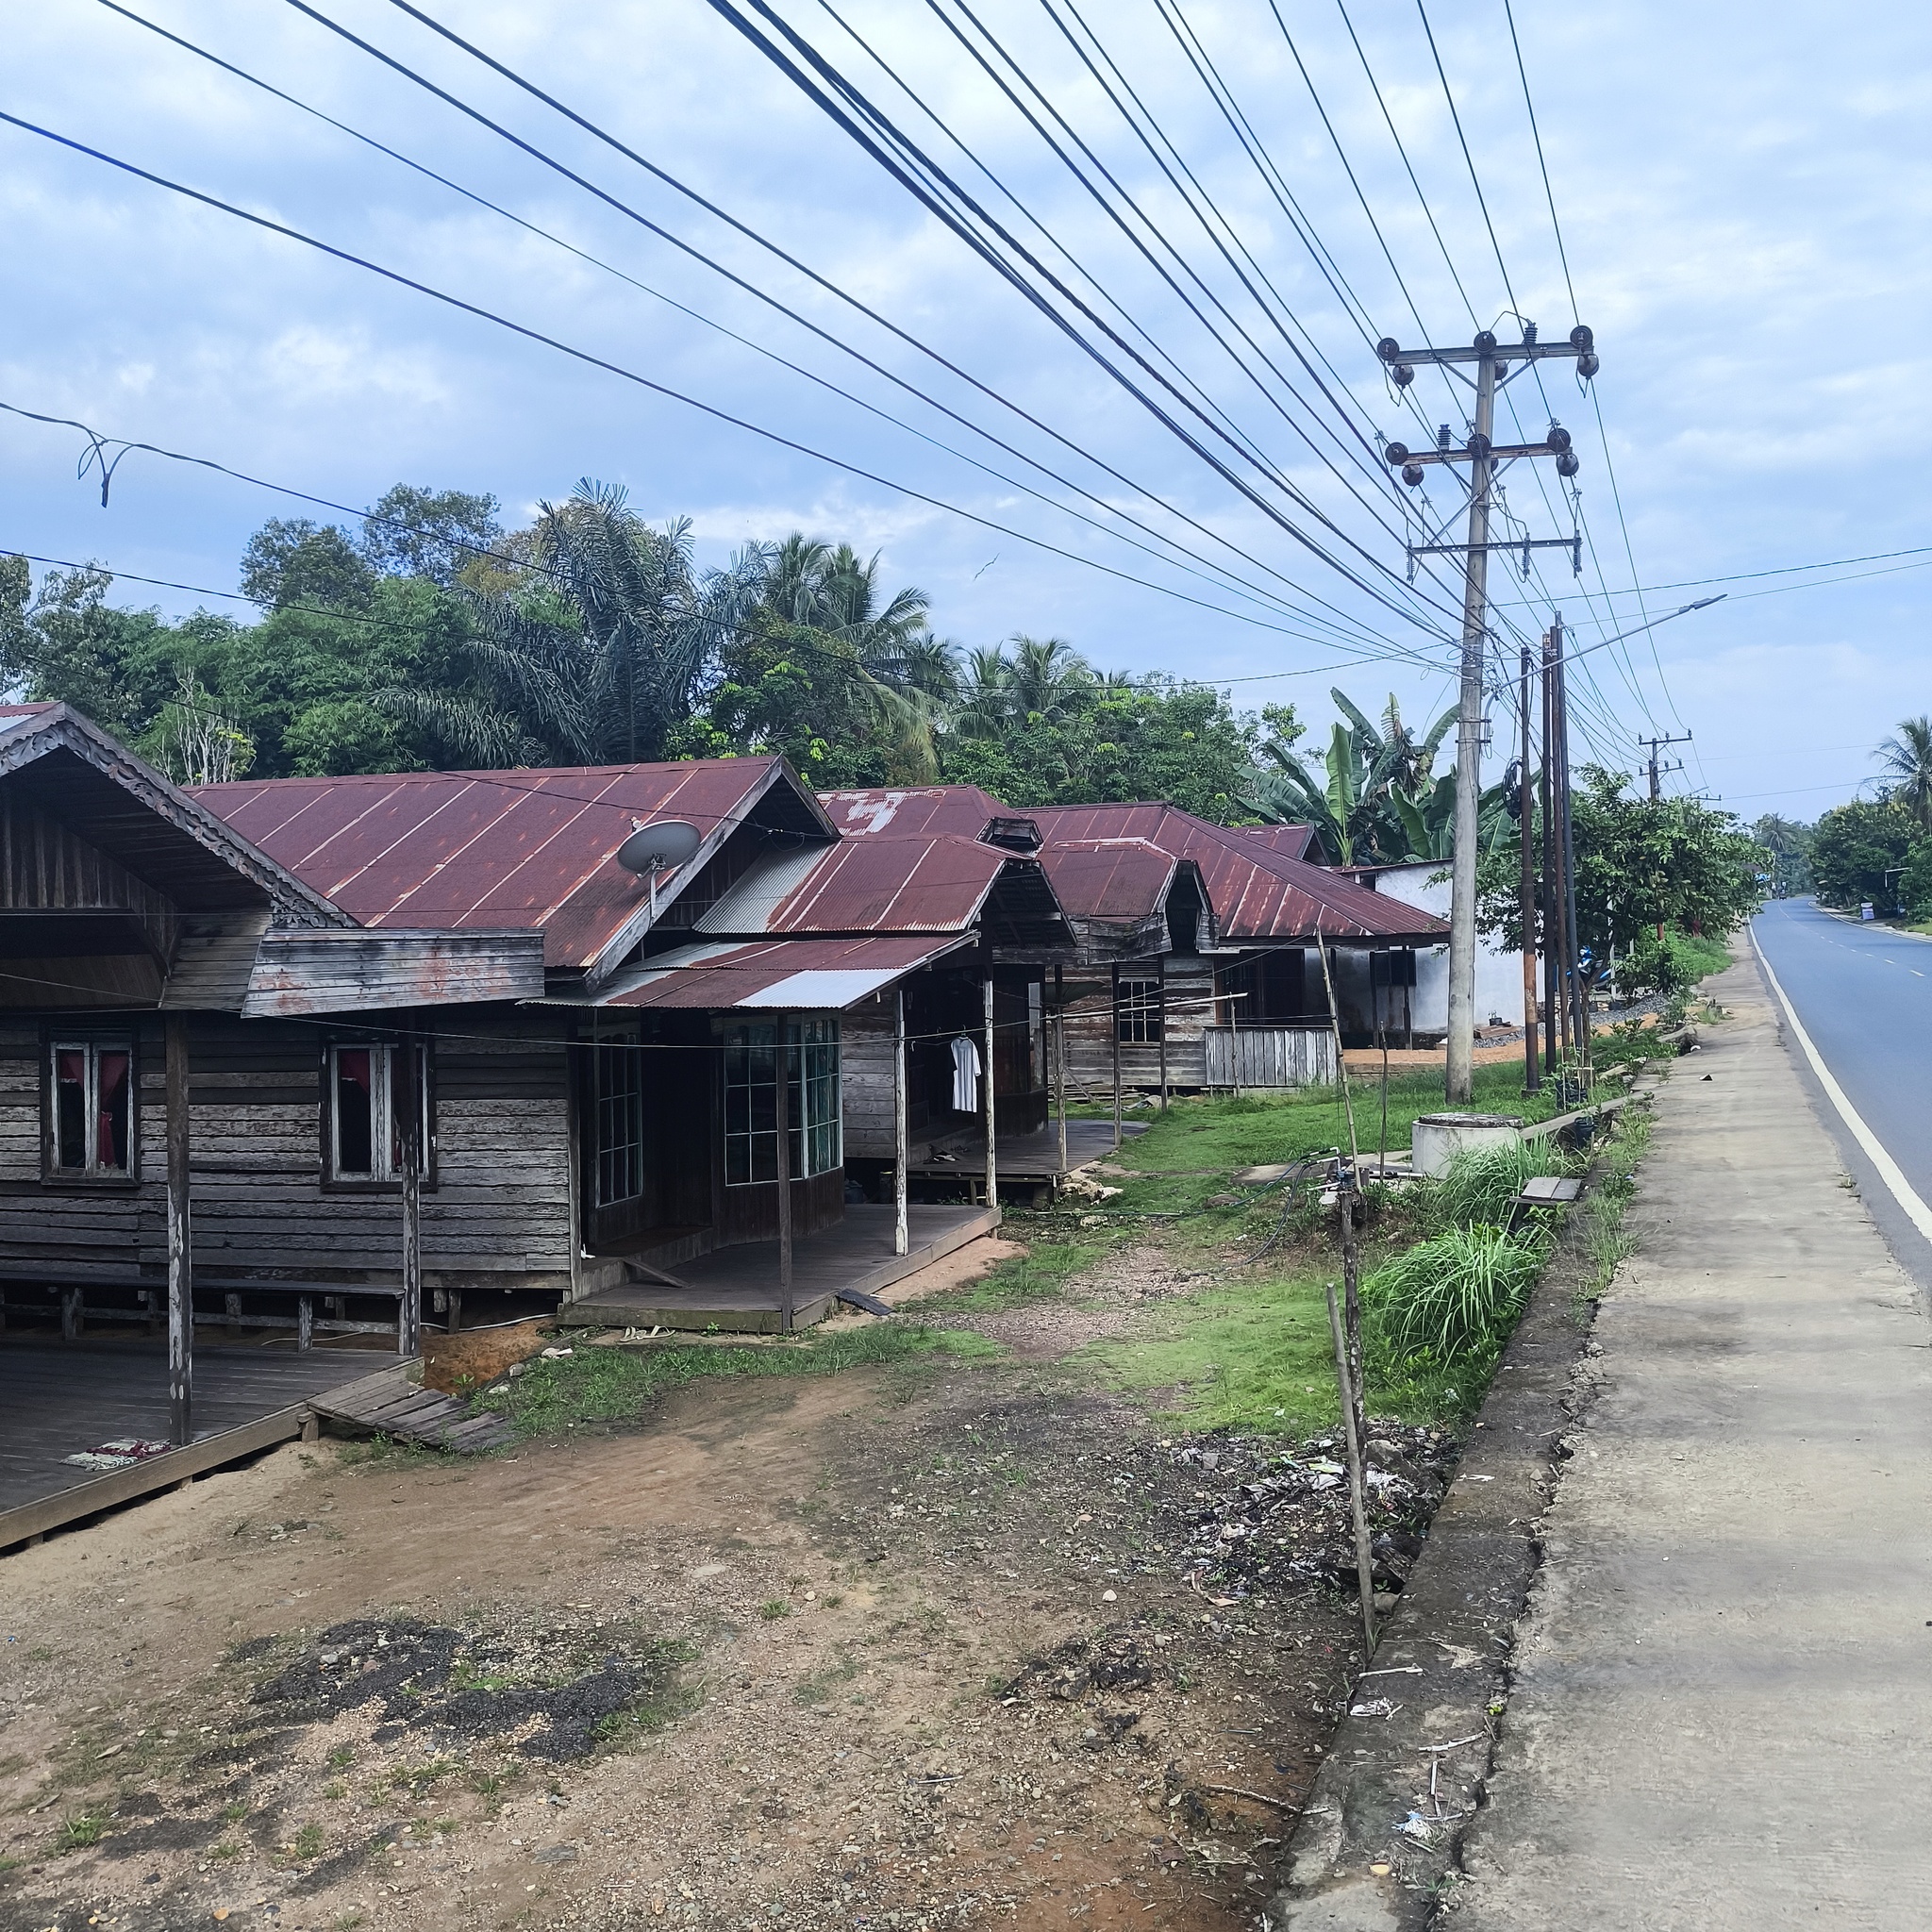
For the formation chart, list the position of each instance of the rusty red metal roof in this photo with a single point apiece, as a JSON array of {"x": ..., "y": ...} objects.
[
  {"x": 1119, "y": 880},
  {"x": 823, "y": 975},
  {"x": 915, "y": 811},
  {"x": 915, "y": 884},
  {"x": 1292, "y": 841},
  {"x": 512, "y": 848},
  {"x": 1258, "y": 894}
]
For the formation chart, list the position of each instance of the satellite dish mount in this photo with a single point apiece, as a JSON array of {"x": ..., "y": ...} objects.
[{"x": 662, "y": 845}]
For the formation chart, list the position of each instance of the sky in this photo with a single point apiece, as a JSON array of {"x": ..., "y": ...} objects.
[{"x": 1739, "y": 199}]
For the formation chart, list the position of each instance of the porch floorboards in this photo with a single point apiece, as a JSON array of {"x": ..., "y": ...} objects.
[
  {"x": 737, "y": 1288},
  {"x": 1032, "y": 1156},
  {"x": 59, "y": 1399}
]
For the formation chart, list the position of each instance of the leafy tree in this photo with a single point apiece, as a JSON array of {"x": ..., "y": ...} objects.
[
  {"x": 1907, "y": 761},
  {"x": 296, "y": 561},
  {"x": 428, "y": 533},
  {"x": 1853, "y": 847},
  {"x": 1640, "y": 863}
]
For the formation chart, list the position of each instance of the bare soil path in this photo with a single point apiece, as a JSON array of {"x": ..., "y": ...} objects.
[{"x": 910, "y": 1647}]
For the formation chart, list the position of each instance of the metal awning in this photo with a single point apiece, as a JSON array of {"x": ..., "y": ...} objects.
[{"x": 789, "y": 976}]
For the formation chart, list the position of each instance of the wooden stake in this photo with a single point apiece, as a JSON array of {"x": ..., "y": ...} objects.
[
  {"x": 1340, "y": 1069},
  {"x": 1161, "y": 966},
  {"x": 1358, "y": 1494},
  {"x": 902, "y": 1152},
  {"x": 1059, "y": 1053},
  {"x": 1116, "y": 1059},
  {"x": 180, "y": 1242}
]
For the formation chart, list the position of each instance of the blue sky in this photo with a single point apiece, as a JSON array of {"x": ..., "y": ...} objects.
[{"x": 1741, "y": 197}]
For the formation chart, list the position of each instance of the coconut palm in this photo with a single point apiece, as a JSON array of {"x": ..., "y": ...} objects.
[{"x": 1907, "y": 761}]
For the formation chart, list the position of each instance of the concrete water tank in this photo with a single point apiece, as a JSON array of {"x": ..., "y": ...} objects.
[{"x": 1439, "y": 1138}]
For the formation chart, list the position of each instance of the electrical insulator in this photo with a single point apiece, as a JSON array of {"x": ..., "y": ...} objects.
[
  {"x": 1558, "y": 438},
  {"x": 1403, "y": 374},
  {"x": 1395, "y": 453},
  {"x": 1581, "y": 340},
  {"x": 1479, "y": 444},
  {"x": 1442, "y": 436},
  {"x": 1484, "y": 342},
  {"x": 1587, "y": 364},
  {"x": 1389, "y": 349},
  {"x": 1412, "y": 474},
  {"x": 1568, "y": 464}
]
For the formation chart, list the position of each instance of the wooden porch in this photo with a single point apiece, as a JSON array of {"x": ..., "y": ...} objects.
[
  {"x": 70, "y": 1398},
  {"x": 737, "y": 1288},
  {"x": 1024, "y": 1159}
]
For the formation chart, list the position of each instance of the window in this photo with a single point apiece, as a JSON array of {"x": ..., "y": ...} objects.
[
  {"x": 364, "y": 1141},
  {"x": 1136, "y": 1017},
  {"x": 92, "y": 1109},
  {"x": 620, "y": 1120},
  {"x": 812, "y": 1108}
]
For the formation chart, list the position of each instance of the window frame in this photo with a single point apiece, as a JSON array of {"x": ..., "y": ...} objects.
[
  {"x": 817, "y": 1073},
  {"x": 621, "y": 1048},
  {"x": 92, "y": 1044},
  {"x": 1138, "y": 1012},
  {"x": 382, "y": 1051}
]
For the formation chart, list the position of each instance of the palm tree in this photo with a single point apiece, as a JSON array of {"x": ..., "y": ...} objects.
[
  {"x": 1906, "y": 760},
  {"x": 603, "y": 656}
]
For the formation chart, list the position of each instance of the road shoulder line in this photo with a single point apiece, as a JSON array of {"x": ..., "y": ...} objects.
[{"x": 1889, "y": 1170}]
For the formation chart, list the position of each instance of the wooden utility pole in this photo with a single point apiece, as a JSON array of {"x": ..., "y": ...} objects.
[
  {"x": 1116, "y": 1059},
  {"x": 180, "y": 1241},
  {"x": 1059, "y": 1053},
  {"x": 1525, "y": 892},
  {"x": 1580, "y": 1035},
  {"x": 1482, "y": 455}
]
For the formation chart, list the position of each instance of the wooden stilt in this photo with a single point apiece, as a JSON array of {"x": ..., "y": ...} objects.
[
  {"x": 1160, "y": 967},
  {"x": 180, "y": 1242},
  {"x": 782, "y": 1053},
  {"x": 406, "y": 1081},
  {"x": 1116, "y": 1059},
  {"x": 993, "y": 1171},
  {"x": 1059, "y": 1053},
  {"x": 902, "y": 1152}
]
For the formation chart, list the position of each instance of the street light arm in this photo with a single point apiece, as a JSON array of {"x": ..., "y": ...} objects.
[{"x": 1602, "y": 644}]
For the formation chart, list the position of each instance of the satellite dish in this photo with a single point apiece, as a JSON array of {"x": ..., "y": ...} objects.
[{"x": 660, "y": 847}]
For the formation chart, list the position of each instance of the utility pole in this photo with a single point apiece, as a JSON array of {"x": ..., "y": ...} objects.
[
  {"x": 1486, "y": 462},
  {"x": 1525, "y": 891},
  {"x": 1656, "y": 744}
]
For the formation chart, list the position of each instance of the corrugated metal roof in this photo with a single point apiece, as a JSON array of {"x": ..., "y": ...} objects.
[
  {"x": 915, "y": 811},
  {"x": 516, "y": 848},
  {"x": 921, "y": 884},
  {"x": 1111, "y": 879},
  {"x": 1257, "y": 894},
  {"x": 1292, "y": 841},
  {"x": 821, "y": 976}
]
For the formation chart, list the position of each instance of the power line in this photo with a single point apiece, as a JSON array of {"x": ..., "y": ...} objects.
[
  {"x": 793, "y": 261},
  {"x": 1217, "y": 575},
  {"x": 595, "y": 361}
]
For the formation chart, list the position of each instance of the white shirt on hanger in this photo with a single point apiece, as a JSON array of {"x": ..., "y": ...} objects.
[{"x": 965, "y": 1075}]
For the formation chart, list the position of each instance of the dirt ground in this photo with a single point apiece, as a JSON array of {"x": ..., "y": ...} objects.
[{"x": 926, "y": 1646}]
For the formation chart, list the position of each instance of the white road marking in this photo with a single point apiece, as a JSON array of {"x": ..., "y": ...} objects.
[{"x": 1889, "y": 1171}]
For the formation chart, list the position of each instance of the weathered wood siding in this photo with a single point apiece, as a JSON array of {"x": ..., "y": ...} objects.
[
  {"x": 1090, "y": 1028},
  {"x": 497, "y": 1212},
  {"x": 1243, "y": 1056},
  {"x": 866, "y": 1035}
]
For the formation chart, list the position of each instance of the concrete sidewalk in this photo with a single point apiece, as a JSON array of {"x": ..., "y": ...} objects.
[{"x": 1723, "y": 1711}]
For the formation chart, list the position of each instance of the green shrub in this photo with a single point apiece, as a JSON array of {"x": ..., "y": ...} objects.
[{"x": 1454, "y": 1295}]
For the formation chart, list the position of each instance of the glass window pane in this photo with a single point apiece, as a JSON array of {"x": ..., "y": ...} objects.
[
  {"x": 69, "y": 1106},
  {"x": 355, "y": 1115},
  {"x": 111, "y": 1150}
]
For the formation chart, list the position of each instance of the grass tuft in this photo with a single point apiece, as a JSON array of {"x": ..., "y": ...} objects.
[{"x": 1454, "y": 1296}]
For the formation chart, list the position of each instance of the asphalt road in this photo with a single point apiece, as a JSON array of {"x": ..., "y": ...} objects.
[{"x": 1864, "y": 994}]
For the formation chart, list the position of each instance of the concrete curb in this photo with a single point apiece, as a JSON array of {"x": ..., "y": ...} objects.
[{"x": 1445, "y": 1658}]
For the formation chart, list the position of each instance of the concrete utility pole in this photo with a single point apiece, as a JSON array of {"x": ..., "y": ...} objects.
[
  {"x": 1486, "y": 462},
  {"x": 1656, "y": 771}
]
